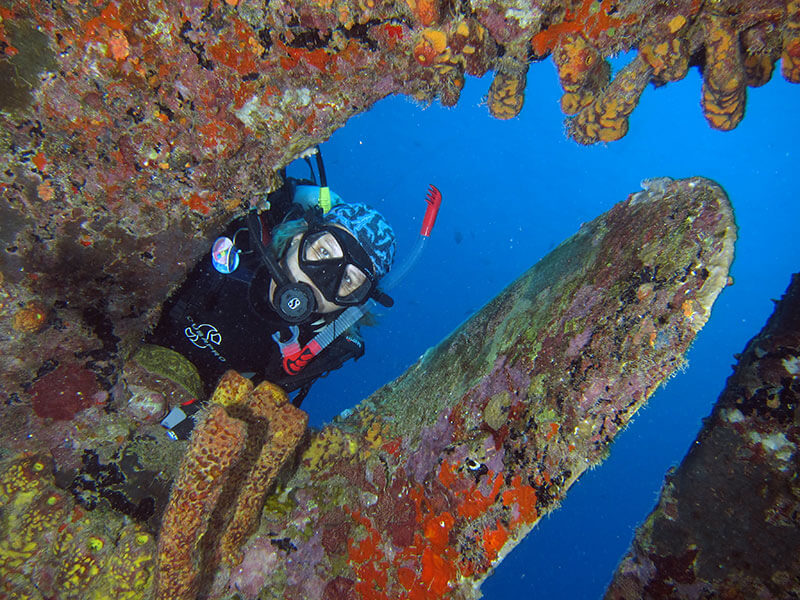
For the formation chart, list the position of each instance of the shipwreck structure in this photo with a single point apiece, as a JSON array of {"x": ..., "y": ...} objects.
[
  {"x": 421, "y": 488},
  {"x": 727, "y": 519},
  {"x": 130, "y": 131}
]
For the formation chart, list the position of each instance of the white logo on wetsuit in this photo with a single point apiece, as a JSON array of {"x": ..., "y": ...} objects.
[{"x": 203, "y": 336}]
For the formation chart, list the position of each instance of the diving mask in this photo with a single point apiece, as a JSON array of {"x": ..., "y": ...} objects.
[{"x": 336, "y": 264}]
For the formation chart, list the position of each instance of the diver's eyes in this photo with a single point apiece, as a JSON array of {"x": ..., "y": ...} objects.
[
  {"x": 352, "y": 280},
  {"x": 323, "y": 247}
]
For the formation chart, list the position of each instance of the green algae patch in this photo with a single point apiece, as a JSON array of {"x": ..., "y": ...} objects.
[{"x": 172, "y": 365}]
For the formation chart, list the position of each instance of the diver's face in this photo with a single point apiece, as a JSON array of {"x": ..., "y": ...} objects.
[
  {"x": 293, "y": 267},
  {"x": 322, "y": 248}
]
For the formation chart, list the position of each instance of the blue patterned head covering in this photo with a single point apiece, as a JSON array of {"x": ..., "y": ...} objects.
[{"x": 371, "y": 230}]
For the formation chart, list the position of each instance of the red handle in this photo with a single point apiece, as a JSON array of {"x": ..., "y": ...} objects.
[
  {"x": 434, "y": 200},
  {"x": 294, "y": 364}
]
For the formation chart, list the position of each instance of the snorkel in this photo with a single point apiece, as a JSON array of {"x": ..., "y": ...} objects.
[
  {"x": 295, "y": 357},
  {"x": 434, "y": 200}
]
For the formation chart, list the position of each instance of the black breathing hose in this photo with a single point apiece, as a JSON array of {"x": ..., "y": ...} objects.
[{"x": 254, "y": 228}]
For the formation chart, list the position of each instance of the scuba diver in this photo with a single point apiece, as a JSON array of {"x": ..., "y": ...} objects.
[{"x": 282, "y": 291}]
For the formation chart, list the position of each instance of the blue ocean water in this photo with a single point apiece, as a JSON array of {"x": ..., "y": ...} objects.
[{"x": 512, "y": 191}]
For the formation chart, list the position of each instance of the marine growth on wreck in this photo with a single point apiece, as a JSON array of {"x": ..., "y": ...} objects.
[
  {"x": 423, "y": 487},
  {"x": 131, "y": 131},
  {"x": 726, "y": 521}
]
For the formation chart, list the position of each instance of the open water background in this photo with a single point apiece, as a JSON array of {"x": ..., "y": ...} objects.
[{"x": 512, "y": 191}]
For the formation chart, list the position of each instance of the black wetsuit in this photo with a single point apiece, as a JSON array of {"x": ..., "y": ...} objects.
[{"x": 222, "y": 322}]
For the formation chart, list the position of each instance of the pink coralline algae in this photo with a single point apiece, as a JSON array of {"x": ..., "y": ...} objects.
[
  {"x": 64, "y": 392},
  {"x": 260, "y": 557},
  {"x": 429, "y": 448},
  {"x": 579, "y": 341}
]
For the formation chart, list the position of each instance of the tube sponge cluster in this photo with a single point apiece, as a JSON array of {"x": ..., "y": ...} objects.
[
  {"x": 236, "y": 451},
  {"x": 217, "y": 441},
  {"x": 287, "y": 426}
]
